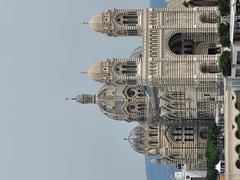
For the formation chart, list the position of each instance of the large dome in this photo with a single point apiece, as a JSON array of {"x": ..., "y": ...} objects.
[
  {"x": 137, "y": 53},
  {"x": 111, "y": 101}
]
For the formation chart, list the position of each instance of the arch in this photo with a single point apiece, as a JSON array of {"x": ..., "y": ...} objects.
[
  {"x": 238, "y": 164},
  {"x": 175, "y": 43},
  {"x": 237, "y": 148},
  {"x": 192, "y": 43},
  {"x": 209, "y": 68},
  {"x": 237, "y": 134},
  {"x": 200, "y": 3}
]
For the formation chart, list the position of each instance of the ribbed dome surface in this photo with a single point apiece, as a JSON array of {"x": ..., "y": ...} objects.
[
  {"x": 94, "y": 72},
  {"x": 96, "y": 23}
]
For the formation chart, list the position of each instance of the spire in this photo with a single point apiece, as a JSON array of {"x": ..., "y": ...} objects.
[
  {"x": 84, "y": 23},
  {"x": 85, "y": 99},
  {"x": 67, "y": 99}
]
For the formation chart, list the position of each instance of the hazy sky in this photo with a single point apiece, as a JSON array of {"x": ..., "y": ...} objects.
[{"x": 43, "y": 49}]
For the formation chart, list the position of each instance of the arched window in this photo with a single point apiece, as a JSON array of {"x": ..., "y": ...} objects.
[
  {"x": 141, "y": 107},
  {"x": 209, "y": 68},
  {"x": 153, "y": 134},
  {"x": 175, "y": 43},
  {"x": 203, "y": 134},
  {"x": 129, "y": 19},
  {"x": 209, "y": 18},
  {"x": 153, "y": 142},
  {"x": 200, "y": 3},
  {"x": 153, "y": 127},
  {"x": 177, "y": 133},
  {"x": 128, "y": 68},
  {"x": 193, "y": 43}
]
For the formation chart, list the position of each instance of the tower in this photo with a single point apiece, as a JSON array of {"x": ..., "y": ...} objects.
[
  {"x": 117, "y": 71},
  {"x": 118, "y": 22}
]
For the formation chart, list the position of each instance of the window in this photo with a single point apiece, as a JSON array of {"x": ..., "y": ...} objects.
[
  {"x": 129, "y": 19},
  {"x": 209, "y": 18},
  {"x": 203, "y": 134},
  {"x": 209, "y": 68},
  {"x": 238, "y": 57},
  {"x": 131, "y": 92},
  {"x": 237, "y": 72},
  {"x": 131, "y": 108}
]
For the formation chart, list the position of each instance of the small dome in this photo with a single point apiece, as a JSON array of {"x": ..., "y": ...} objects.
[
  {"x": 96, "y": 23},
  {"x": 109, "y": 104},
  {"x": 137, "y": 139},
  {"x": 94, "y": 72}
]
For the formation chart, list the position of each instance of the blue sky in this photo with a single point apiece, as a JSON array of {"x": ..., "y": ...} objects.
[
  {"x": 157, "y": 3},
  {"x": 159, "y": 171},
  {"x": 44, "y": 47}
]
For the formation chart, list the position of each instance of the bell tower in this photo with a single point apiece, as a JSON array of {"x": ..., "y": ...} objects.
[{"x": 118, "y": 22}]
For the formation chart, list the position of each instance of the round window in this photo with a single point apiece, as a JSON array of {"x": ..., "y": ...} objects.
[
  {"x": 131, "y": 107},
  {"x": 131, "y": 93}
]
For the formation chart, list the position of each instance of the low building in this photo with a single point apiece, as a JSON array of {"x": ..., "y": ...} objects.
[
  {"x": 190, "y": 175},
  {"x": 233, "y": 81}
]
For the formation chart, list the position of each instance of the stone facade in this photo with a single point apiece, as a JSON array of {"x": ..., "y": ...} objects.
[{"x": 172, "y": 86}]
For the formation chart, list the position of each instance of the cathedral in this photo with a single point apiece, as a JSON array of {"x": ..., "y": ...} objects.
[{"x": 171, "y": 85}]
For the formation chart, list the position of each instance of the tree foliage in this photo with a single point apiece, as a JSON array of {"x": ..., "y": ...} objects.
[
  {"x": 225, "y": 63},
  {"x": 212, "y": 152},
  {"x": 224, "y": 34},
  {"x": 224, "y": 7}
]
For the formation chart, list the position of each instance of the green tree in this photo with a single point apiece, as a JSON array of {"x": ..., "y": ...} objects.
[
  {"x": 224, "y": 7},
  {"x": 225, "y": 63},
  {"x": 212, "y": 152},
  {"x": 224, "y": 34}
]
